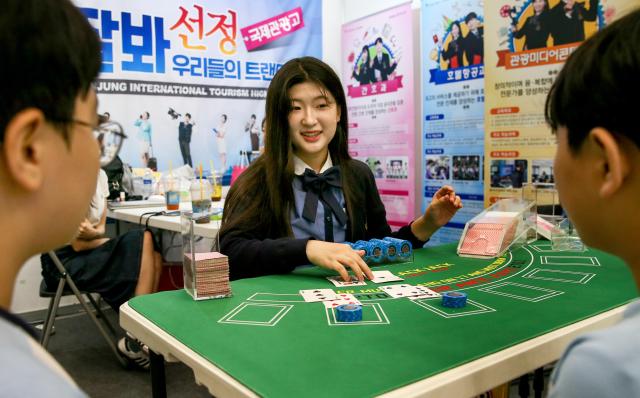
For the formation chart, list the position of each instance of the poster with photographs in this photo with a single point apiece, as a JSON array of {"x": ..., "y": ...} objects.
[
  {"x": 377, "y": 71},
  {"x": 526, "y": 47},
  {"x": 453, "y": 106},
  {"x": 188, "y": 81}
]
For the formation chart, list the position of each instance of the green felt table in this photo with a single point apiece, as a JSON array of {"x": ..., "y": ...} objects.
[{"x": 277, "y": 345}]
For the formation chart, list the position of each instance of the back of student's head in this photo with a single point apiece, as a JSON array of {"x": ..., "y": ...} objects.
[
  {"x": 49, "y": 54},
  {"x": 599, "y": 86},
  {"x": 278, "y": 105}
]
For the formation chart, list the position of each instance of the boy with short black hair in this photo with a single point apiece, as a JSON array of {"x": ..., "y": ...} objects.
[
  {"x": 592, "y": 107},
  {"x": 49, "y": 160}
]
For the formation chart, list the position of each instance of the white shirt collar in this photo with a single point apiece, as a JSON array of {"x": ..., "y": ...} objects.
[{"x": 299, "y": 165}]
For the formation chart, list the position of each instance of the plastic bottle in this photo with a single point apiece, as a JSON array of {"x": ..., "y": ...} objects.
[{"x": 147, "y": 182}]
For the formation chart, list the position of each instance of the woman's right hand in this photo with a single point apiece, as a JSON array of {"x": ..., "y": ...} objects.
[{"x": 337, "y": 257}]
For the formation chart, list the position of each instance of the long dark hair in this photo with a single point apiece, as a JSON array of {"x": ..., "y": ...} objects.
[{"x": 262, "y": 197}]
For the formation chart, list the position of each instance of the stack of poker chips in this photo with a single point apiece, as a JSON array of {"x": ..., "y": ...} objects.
[
  {"x": 349, "y": 313},
  {"x": 454, "y": 299},
  {"x": 384, "y": 250},
  {"x": 208, "y": 276}
]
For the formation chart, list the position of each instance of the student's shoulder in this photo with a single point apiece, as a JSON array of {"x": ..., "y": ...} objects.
[
  {"x": 24, "y": 360},
  {"x": 600, "y": 364}
]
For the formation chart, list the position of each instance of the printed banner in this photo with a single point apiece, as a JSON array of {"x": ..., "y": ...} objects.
[
  {"x": 377, "y": 71},
  {"x": 453, "y": 108},
  {"x": 187, "y": 81},
  {"x": 529, "y": 42}
]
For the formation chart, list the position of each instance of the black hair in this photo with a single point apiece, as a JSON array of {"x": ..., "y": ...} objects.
[
  {"x": 599, "y": 84},
  {"x": 148, "y": 114},
  {"x": 378, "y": 40},
  {"x": 470, "y": 16},
  {"x": 49, "y": 55},
  {"x": 225, "y": 117},
  {"x": 253, "y": 116},
  {"x": 188, "y": 115},
  {"x": 267, "y": 181},
  {"x": 456, "y": 23}
]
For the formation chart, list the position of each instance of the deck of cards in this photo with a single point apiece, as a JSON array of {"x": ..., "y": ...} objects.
[{"x": 206, "y": 276}]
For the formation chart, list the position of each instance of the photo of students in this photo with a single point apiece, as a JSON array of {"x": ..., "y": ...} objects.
[
  {"x": 305, "y": 195},
  {"x": 466, "y": 168},
  {"x": 144, "y": 135},
  {"x": 375, "y": 165},
  {"x": 567, "y": 18},
  {"x": 474, "y": 41},
  {"x": 382, "y": 65},
  {"x": 363, "y": 71},
  {"x": 397, "y": 167},
  {"x": 220, "y": 132},
  {"x": 508, "y": 173},
  {"x": 437, "y": 167},
  {"x": 185, "y": 129},
  {"x": 454, "y": 53},
  {"x": 536, "y": 28}
]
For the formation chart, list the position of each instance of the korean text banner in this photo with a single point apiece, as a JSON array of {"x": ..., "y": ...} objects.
[
  {"x": 377, "y": 71},
  {"x": 527, "y": 46},
  {"x": 187, "y": 80},
  {"x": 453, "y": 107}
]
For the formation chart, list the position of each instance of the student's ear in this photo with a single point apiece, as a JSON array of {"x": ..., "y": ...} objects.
[
  {"x": 613, "y": 163},
  {"x": 22, "y": 147},
  {"x": 339, "y": 109}
]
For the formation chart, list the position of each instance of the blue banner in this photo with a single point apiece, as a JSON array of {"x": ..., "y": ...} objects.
[{"x": 453, "y": 87}]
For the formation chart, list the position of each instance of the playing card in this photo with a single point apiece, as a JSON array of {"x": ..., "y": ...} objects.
[
  {"x": 314, "y": 295},
  {"x": 428, "y": 294},
  {"x": 343, "y": 298},
  {"x": 384, "y": 277},
  {"x": 337, "y": 280},
  {"x": 403, "y": 290}
]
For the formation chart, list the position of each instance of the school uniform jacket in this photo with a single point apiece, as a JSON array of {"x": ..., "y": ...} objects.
[{"x": 257, "y": 252}]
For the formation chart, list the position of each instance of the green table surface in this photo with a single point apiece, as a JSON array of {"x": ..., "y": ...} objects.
[{"x": 269, "y": 339}]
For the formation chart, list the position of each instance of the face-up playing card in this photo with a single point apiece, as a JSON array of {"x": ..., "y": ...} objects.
[
  {"x": 337, "y": 280},
  {"x": 403, "y": 290},
  {"x": 343, "y": 298},
  {"x": 428, "y": 294},
  {"x": 384, "y": 276},
  {"x": 314, "y": 295}
]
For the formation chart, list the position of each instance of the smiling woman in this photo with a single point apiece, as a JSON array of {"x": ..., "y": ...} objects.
[{"x": 305, "y": 192}]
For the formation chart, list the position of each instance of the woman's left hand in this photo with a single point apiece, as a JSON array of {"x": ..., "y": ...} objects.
[{"x": 444, "y": 205}]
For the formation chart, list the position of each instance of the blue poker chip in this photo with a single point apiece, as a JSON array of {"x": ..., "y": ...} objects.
[
  {"x": 403, "y": 247},
  {"x": 454, "y": 299},
  {"x": 389, "y": 251},
  {"x": 349, "y": 313}
]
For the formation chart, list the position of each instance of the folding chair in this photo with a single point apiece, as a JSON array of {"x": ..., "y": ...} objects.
[{"x": 65, "y": 282}]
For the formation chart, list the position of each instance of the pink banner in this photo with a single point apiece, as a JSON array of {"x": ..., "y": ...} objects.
[
  {"x": 375, "y": 88},
  {"x": 272, "y": 29},
  {"x": 377, "y": 71}
]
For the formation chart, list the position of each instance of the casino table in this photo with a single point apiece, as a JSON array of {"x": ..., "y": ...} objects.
[{"x": 522, "y": 310}]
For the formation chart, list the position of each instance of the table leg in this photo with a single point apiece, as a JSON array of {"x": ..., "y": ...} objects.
[
  {"x": 158, "y": 380},
  {"x": 538, "y": 382}
]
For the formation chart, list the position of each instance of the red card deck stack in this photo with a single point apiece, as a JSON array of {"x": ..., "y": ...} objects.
[{"x": 208, "y": 276}]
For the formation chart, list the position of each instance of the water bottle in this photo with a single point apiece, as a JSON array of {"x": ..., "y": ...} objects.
[{"x": 147, "y": 182}]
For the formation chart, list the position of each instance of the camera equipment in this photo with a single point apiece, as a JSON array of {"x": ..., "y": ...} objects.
[{"x": 174, "y": 115}]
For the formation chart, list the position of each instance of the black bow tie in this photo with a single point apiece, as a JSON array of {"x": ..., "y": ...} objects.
[{"x": 317, "y": 186}]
